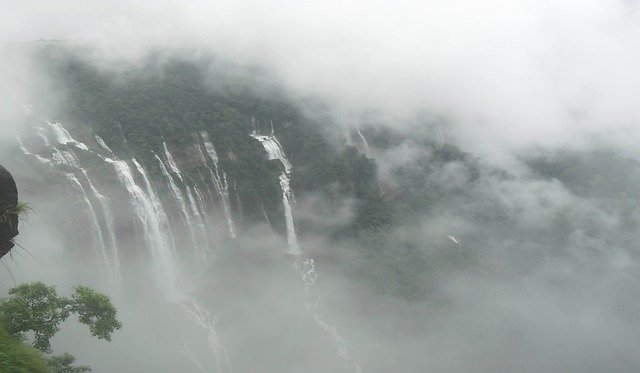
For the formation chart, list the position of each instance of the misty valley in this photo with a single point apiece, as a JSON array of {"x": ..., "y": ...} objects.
[{"x": 205, "y": 218}]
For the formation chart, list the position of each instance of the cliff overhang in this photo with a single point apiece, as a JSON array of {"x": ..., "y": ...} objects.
[{"x": 8, "y": 211}]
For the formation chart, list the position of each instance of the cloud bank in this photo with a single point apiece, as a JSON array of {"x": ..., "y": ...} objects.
[{"x": 506, "y": 74}]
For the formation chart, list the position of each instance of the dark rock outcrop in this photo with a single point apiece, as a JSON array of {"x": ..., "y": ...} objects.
[{"x": 8, "y": 216}]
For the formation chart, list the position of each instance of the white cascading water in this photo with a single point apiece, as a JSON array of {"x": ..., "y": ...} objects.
[
  {"x": 172, "y": 164},
  {"x": 197, "y": 314},
  {"x": 113, "y": 260},
  {"x": 63, "y": 136},
  {"x": 64, "y": 158},
  {"x": 158, "y": 235},
  {"x": 201, "y": 202},
  {"x": 180, "y": 203},
  {"x": 42, "y": 134},
  {"x": 149, "y": 211},
  {"x": 207, "y": 321},
  {"x": 219, "y": 179},
  {"x": 364, "y": 143},
  {"x": 93, "y": 218},
  {"x": 347, "y": 135},
  {"x": 288, "y": 200},
  {"x": 439, "y": 136},
  {"x": 199, "y": 222},
  {"x": 264, "y": 213},
  {"x": 274, "y": 151},
  {"x": 307, "y": 269},
  {"x": 146, "y": 206},
  {"x": 28, "y": 153},
  {"x": 68, "y": 158},
  {"x": 104, "y": 146},
  {"x": 156, "y": 230},
  {"x": 304, "y": 266}
]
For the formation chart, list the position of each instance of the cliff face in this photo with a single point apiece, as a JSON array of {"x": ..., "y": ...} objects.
[{"x": 8, "y": 219}]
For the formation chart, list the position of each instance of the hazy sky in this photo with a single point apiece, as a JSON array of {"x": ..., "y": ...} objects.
[{"x": 505, "y": 73}]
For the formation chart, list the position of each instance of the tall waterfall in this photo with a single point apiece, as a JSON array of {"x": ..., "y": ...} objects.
[
  {"x": 179, "y": 199},
  {"x": 219, "y": 179},
  {"x": 84, "y": 187},
  {"x": 151, "y": 198},
  {"x": 200, "y": 227},
  {"x": 274, "y": 151},
  {"x": 364, "y": 143},
  {"x": 113, "y": 260},
  {"x": 171, "y": 162},
  {"x": 93, "y": 217},
  {"x": 288, "y": 200},
  {"x": 207, "y": 321},
  {"x": 155, "y": 226},
  {"x": 306, "y": 267},
  {"x": 154, "y": 223}
]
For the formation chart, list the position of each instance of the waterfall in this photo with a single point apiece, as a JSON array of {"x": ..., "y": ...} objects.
[
  {"x": 288, "y": 200},
  {"x": 199, "y": 222},
  {"x": 207, "y": 322},
  {"x": 153, "y": 197},
  {"x": 147, "y": 209},
  {"x": 114, "y": 262},
  {"x": 304, "y": 266},
  {"x": 104, "y": 146},
  {"x": 363, "y": 141},
  {"x": 201, "y": 202},
  {"x": 63, "y": 137},
  {"x": 42, "y": 134},
  {"x": 64, "y": 158},
  {"x": 264, "y": 213},
  {"x": 27, "y": 152},
  {"x": 307, "y": 269},
  {"x": 155, "y": 226},
  {"x": 347, "y": 134},
  {"x": 67, "y": 158},
  {"x": 439, "y": 136},
  {"x": 158, "y": 232},
  {"x": 93, "y": 218},
  {"x": 180, "y": 202},
  {"x": 219, "y": 182},
  {"x": 171, "y": 162},
  {"x": 274, "y": 151}
]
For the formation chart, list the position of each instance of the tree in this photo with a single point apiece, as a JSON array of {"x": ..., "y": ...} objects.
[
  {"x": 18, "y": 357},
  {"x": 64, "y": 364},
  {"x": 37, "y": 307}
]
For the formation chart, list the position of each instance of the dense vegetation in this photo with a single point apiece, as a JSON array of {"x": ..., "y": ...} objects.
[
  {"x": 137, "y": 109},
  {"x": 37, "y": 308}
]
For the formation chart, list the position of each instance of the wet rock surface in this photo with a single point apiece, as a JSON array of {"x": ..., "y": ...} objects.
[{"x": 8, "y": 217}]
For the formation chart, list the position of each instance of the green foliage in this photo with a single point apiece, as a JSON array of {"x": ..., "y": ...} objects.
[
  {"x": 392, "y": 264},
  {"x": 64, "y": 364},
  {"x": 17, "y": 357},
  {"x": 37, "y": 307},
  {"x": 169, "y": 98},
  {"x": 20, "y": 210},
  {"x": 95, "y": 310},
  {"x": 34, "y": 307}
]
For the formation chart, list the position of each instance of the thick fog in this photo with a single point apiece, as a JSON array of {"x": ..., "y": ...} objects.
[
  {"x": 531, "y": 242},
  {"x": 510, "y": 74}
]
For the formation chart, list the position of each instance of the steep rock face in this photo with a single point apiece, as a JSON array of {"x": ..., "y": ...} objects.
[{"x": 8, "y": 220}]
